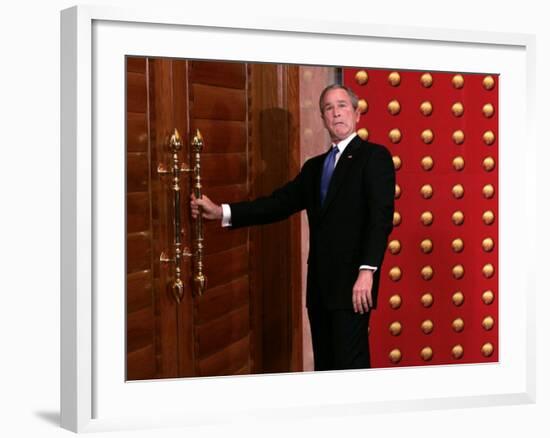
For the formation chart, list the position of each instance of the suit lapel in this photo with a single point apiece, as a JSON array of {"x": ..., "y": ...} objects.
[{"x": 341, "y": 171}]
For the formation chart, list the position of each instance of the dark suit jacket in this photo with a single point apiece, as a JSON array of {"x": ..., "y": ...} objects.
[{"x": 349, "y": 230}]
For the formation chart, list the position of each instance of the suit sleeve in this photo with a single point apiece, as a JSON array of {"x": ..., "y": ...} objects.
[
  {"x": 283, "y": 202},
  {"x": 379, "y": 182}
]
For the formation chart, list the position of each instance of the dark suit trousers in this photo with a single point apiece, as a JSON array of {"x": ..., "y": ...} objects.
[{"x": 340, "y": 338}]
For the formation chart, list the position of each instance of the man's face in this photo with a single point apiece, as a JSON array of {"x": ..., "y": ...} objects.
[{"x": 339, "y": 117}]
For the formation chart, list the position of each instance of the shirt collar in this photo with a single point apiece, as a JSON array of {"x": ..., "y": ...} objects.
[{"x": 343, "y": 143}]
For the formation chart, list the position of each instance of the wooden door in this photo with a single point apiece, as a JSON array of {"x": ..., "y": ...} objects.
[{"x": 223, "y": 331}]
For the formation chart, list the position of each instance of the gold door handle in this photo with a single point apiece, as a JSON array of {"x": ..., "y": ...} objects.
[
  {"x": 198, "y": 277},
  {"x": 177, "y": 289},
  {"x": 176, "y": 169}
]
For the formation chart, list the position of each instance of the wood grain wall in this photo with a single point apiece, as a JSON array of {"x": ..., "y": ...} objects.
[{"x": 140, "y": 320}]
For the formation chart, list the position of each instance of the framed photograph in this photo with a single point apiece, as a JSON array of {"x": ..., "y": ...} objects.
[{"x": 111, "y": 379}]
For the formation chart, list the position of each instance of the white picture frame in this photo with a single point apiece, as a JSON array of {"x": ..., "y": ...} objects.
[{"x": 94, "y": 397}]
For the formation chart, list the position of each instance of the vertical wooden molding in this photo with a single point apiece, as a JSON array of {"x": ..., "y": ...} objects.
[
  {"x": 163, "y": 117},
  {"x": 295, "y": 260},
  {"x": 187, "y": 350},
  {"x": 254, "y": 233}
]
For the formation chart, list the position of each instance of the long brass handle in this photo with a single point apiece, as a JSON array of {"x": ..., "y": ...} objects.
[
  {"x": 199, "y": 277},
  {"x": 176, "y": 169},
  {"x": 177, "y": 284}
]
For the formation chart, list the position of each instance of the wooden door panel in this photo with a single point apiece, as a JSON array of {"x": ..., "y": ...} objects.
[
  {"x": 167, "y": 96},
  {"x": 228, "y": 193},
  {"x": 217, "y": 103},
  {"x": 223, "y": 169},
  {"x": 218, "y": 239},
  {"x": 222, "y": 299},
  {"x": 223, "y": 74},
  {"x": 141, "y": 364},
  {"x": 141, "y": 286},
  {"x": 218, "y": 333},
  {"x": 136, "y": 64},
  {"x": 136, "y": 101},
  {"x": 228, "y": 265},
  {"x": 136, "y": 132},
  {"x": 218, "y": 107},
  {"x": 224, "y": 136},
  {"x": 215, "y": 335},
  {"x": 234, "y": 359},
  {"x": 275, "y": 132},
  {"x": 138, "y": 252},
  {"x": 244, "y": 370},
  {"x": 140, "y": 325},
  {"x": 137, "y": 175},
  {"x": 137, "y": 207}
]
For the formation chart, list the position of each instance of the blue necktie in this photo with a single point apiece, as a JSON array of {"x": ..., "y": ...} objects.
[{"x": 328, "y": 169}]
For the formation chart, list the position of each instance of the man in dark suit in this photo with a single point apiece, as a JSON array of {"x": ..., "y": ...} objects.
[{"x": 348, "y": 193}]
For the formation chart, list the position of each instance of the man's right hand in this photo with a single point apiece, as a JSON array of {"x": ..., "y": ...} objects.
[{"x": 209, "y": 209}]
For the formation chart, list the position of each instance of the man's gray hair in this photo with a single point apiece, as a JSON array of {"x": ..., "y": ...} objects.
[{"x": 351, "y": 94}]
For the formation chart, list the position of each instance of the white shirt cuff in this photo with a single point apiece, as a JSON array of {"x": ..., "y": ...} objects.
[
  {"x": 371, "y": 268},
  {"x": 226, "y": 215}
]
